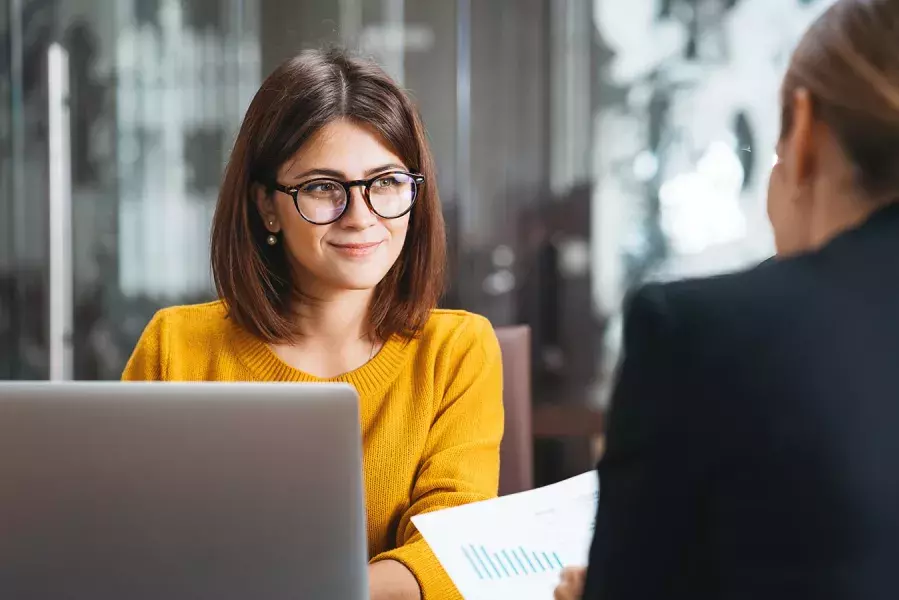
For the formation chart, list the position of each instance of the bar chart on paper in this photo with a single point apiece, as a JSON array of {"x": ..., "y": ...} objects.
[
  {"x": 510, "y": 562},
  {"x": 515, "y": 546}
]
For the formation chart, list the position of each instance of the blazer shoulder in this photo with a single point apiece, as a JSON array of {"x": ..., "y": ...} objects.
[
  {"x": 714, "y": 319},
  {"x": 768, "y": 285}
]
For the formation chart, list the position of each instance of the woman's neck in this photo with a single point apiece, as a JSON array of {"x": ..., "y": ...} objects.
[
  {"x": 840, "y": 213},
  {"x": 336, "y": 321},
  {"x": 334, "y": 336}
]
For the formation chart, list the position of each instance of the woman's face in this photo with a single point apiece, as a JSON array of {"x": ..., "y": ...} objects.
[{"x": 356, "y": 251}]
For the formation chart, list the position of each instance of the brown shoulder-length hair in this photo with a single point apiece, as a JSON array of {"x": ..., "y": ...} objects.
[
  {"x": 849, "y": 63},
  {"x": 302, "y": 95}
]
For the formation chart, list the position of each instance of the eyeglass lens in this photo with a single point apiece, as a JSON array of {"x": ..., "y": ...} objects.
[{"x": 324, "y": 200}]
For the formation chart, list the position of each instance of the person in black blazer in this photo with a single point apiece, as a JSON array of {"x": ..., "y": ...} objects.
[{"x": 753, "y": 439}]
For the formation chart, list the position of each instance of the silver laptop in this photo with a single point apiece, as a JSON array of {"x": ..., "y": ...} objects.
[{"x": 181, "y": 491}]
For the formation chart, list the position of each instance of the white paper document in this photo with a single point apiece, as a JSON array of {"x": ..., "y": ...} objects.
[{"x": 515, "y": 546}]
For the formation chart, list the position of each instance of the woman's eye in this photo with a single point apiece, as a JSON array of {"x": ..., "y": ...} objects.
[
  {"x": 322, "y": 187},
  {"x": 386, "y": 182}
]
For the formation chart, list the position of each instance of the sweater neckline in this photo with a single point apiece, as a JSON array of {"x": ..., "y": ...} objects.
[{"x": 372, "y": 378}]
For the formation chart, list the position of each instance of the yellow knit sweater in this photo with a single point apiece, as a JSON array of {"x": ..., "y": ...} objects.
[{"x": 432, "y": 414}]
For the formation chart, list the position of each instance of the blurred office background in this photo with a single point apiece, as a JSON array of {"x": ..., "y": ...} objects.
[{"x": 583, "y": 146}]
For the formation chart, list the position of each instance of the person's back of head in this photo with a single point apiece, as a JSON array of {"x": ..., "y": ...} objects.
[{"x": 842, "y": 86}]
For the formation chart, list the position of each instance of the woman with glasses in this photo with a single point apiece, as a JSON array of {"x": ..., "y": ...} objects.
[{"x": 328, "y": 257}]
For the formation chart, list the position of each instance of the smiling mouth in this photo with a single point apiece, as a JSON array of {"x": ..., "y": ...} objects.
[{"x": 357, "y": 249}]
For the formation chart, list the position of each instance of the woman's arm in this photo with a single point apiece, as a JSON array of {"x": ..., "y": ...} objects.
[{"x": 460, "y": 463}]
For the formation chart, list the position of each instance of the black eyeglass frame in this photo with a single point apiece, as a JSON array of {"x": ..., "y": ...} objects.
[{"x": 293, "y": 192}]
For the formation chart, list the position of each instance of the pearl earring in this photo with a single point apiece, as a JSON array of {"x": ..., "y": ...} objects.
[{"x": 271, "y": 239}]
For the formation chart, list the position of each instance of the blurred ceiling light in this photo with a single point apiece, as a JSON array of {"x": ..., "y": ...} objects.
[
  {"x": 503, "y": 257},
  {"x": 499, "y": 283},
  {"x": 574, "y": 257}
]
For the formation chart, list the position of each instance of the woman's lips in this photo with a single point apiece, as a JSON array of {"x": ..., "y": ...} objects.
[{"x": 357, "y": 249}]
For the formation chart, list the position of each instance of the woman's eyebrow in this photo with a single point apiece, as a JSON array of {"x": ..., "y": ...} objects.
[
  {"x": 341, "y": 175},
  {"x": 324, "y": 172},
  {"x": 387, "y": 167}
]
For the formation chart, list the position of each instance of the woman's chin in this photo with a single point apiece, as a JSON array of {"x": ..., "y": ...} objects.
[{"x": 362, "y": 279}]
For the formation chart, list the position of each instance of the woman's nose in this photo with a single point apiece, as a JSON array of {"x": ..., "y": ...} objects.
[{"x": 358, "y": 214}]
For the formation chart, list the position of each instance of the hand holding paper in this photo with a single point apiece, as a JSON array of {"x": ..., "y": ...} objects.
[{"x": 515, "y": 546}]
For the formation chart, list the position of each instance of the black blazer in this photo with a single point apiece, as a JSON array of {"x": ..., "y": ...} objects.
[{"x": 753, "y": 440}]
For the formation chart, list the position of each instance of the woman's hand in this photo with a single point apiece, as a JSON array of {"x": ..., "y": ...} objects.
[
  {"x": 572, "y": 585},
  {"x": 390, "y": 580}
]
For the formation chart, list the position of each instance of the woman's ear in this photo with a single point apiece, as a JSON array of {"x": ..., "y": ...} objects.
[
  {"x": 799, "y": 146},
  {"x": 265, "y": 204}
]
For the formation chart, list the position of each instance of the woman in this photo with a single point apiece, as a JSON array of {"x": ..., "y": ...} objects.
[
  {"x": 328, "y": 255},
  {"x": 752, "y": 448}
]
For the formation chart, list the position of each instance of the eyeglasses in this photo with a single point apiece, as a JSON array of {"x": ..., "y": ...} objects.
[{"x": 324, "y": 201}]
